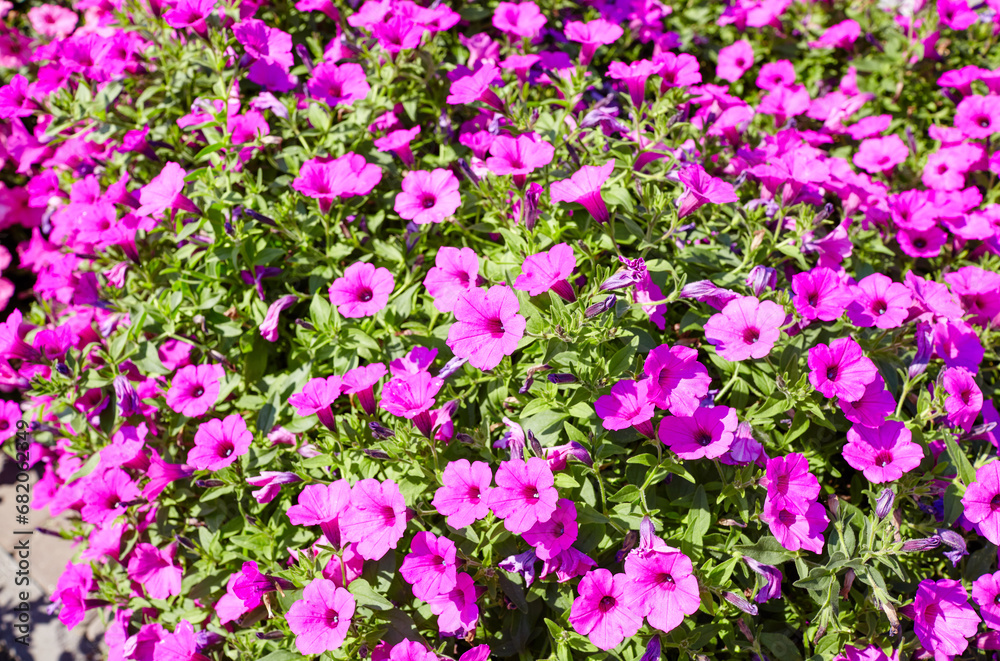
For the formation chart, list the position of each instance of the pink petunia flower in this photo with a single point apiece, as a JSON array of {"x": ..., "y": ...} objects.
[
  {"x": 376, "y": 518},
  {"x": 165, "y": 191},
  {"x": 317, "y": 396},
  {"x": 270, "y": 484},
  {"x": 841, "y": 369},
  {"x": 190, "y": 14},
  {"x": 348, "y": 176},
  {"x": 552, "y": 537},
  {"x": 464, "y": 496},
  {"x": 879, "y": 302},
  {"x": 978, "y": 117},
  {"x": 519, "y": 156},
  {"x": 776, "y": 74},
  {"x": 963, "y": 399},
  {"x": 634, "y": 74},
  {"x": 981, "y": 502},
  {"x": 52, "y": 21},
  {"x": 882, "y": 453},
  {"x": 455, "y": 272},
  {"x": 602, "y": 612},
  {"x": 523, "y": 20},
  {"x": 584, "y": 187},
  {"x": 321, "y": 618},
  {"x": 456, "y": 609},
  {"x": 476, "y": 87},
  {"x": 872, "y": 408},
  {"x": 794, "y": 528},
  {"x": 820, "y": 294},
  {"x": 746, "y": 328},
  {"x": 412, "y": 396},
  {"x": 957, "y": 344},
  {"x": 677, "y": 70},
  {"x": 707, "y": 433},
  {"x": 986, "y": 593},
  {"x": 677, "y": 381},
  {"x": 218, "y": 443},
  {"x": 524, "y": 494},
  {"x": 408, "y": 650},
  {"x": 428, "y": 197},
  {"x": 628, "y": 405},
  {"x": 943, "y": 619},
  {"x": 881, "y": 154},
  {"x": 734, "y": 61},
  {"x": 155, "y": 570},
  {"x": 548, "y": 270},
  {"x": 106, "y": 497},
  {"x": 361, "y": 381},
  {"x": 362, "y": 291},
  {"x": 398, "y": 142},
  {"x": 322, "y": 505},
  {"x": 663, "y": 588},
  {"x": 840, "y": 35},
  {"x": 789, "y": 482},
  {"x": 338, "y": 84},
  {"x": 430, "y": 565},
  {"x": 592, "y": 35},
  {"x": 702, "y": 188},
  {"x": 269, "y": 327},
  {"x": 195, "y": 389},
  {"x": 487, "y": 327},
  {"x": 182, "y": 643}
]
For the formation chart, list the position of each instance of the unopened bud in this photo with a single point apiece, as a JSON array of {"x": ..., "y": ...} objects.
[
  {"x": 883, "y": 506},
  {"x": 602, "y": 307}
]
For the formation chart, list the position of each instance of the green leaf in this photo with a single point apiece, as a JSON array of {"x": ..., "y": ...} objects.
[
  {"x": 960, "y": 461},
  {"x": 282, "y": 655},
  {"x": 367, "y": 597},
  {"x": 767, "y": 550},
  {"x": 782, "y": 647}
]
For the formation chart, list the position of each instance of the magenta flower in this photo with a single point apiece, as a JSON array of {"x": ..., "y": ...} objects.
[
  {"x": 519, "y": 156},
  {"x": 269, "y": 327},
  {"x": 524, "y": 494},
  {"x": 398, "y": 33},
  {"x": 943, "y": 619},
  {"x": 218, "y": 443},
  {"x": 978, "y": 117},
  {"x": 789, "y": 482},
  {"x": 194, "y": 389},
  {"x": 347, "y": 176},
  {"x": 880, "y": 154},
  {"x": 841, "y": 369},
  {"x": 338, "y": 84},
  {"x": 628, "y": 405},
  {"x": 455, "y": 272},
  {"x": 634, "y": 74},
  {"x": 180, "y": 644},
  {"x": 746, "y": 328},
  {"x": 155, "y": 570},
  {"x": 411, "y": 397},
  {"x": 362, "y": 291},
  {"x": 430, "y": 566},
  {"x": 700, "y": 189},
  {"x": 981, "y": 502},
  {"x": 376, "y": 518},
  {"x": 734, "y": 61},
  {"x": 409, "y": 650},
  {"x": 794, "y": 528},
  {"x": 317, "y": 396},
  {"x": 986, "y": 593},
  {"x": 584, "y": 187},
  {"x": 106, "y": 497},
  {"x": 165, "y": 191},
  {"x": 873, "y": 407},
  {"x": 270, "y": 484},
  {"x": 487, "y": 326},
  {"x": 428, "y": 197},
  {"x": 776, "y": 74},
  {"x": 883, "y": 453},
  {"x": 602, "y": 611},
  {"x": 663, "y": 588},
  {"x": 958, "y": 344},
  {"x": 476, "y": 87},
  {"x": 190, "y": 14},
  {"x": 321, "y": 618},
  {"x": 820, "y": 294},
  {"x": 677, "y": 70},
  {"x": 677, "y": 381},
  {"x": 464, "y": 496},
  {"x": 456, "y": 610},
  {"x": 548, "y": 270},
  {"x": 708, "y": 432},
  {"x": 322, "y": 505},
  {"x": 161, "y": 474},
  {"x": 963, "y": 399},
  {"x": 840, "y": 35},
  {"x": 552, "y": 537},
  {"x": 361, "y": 381},
  {"x": 592, "y": 35},
  {"x": 879, "y": 302},
  {"x": 522, "y": 20},
  {"x": 52, "y": 20},
  {"x": 398, "y": 142}
]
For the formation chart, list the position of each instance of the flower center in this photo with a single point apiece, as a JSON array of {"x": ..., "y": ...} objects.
[
  {"x": 919, "y": 243},
  {"x": 786, "y": 518},
  {"x": 607, "y": 603},
  {"x": 225, "y": 449},
  {"x": 879, "y": 307},
  {"x": 474, "y": 494},
  {"x": 4, "y": 425},
  {"x": 965, "y": 395},
  {"x": 333, "y": 617},
  {"x": 365, "y": 295},
  {"x": 665, "y": 580},
  {"x": 813, "y": 299},
  {"x": 198, "y": 391},
  {"x": 530, "y": 493},
  {"x": 883, "y": 459},
  {"x": 388, "y": 515},
  {"x": 495, "y": 326},
  {"x": 703, "y": 438},
  {"x": 428, "y": 202},
  {"x": 995, "y": 503},
  {"x": 983, "y": 121},
  {"x": 831, "y": 373},
  {"x": 996, "y": 599},
  {"x": 751, "y": 335}
]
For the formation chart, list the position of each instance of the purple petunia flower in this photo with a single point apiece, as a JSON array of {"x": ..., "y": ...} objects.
[
  {"x": 942, "y": 618},
  {"x": 584, "y": 187},
  {"x": 628, "y": 405},
  {"x": 550, "y": 538},
  {"x": 430, "y": 566},
  {"x": 981, "y": 501},
  {"x": 963, "y": 400}
]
